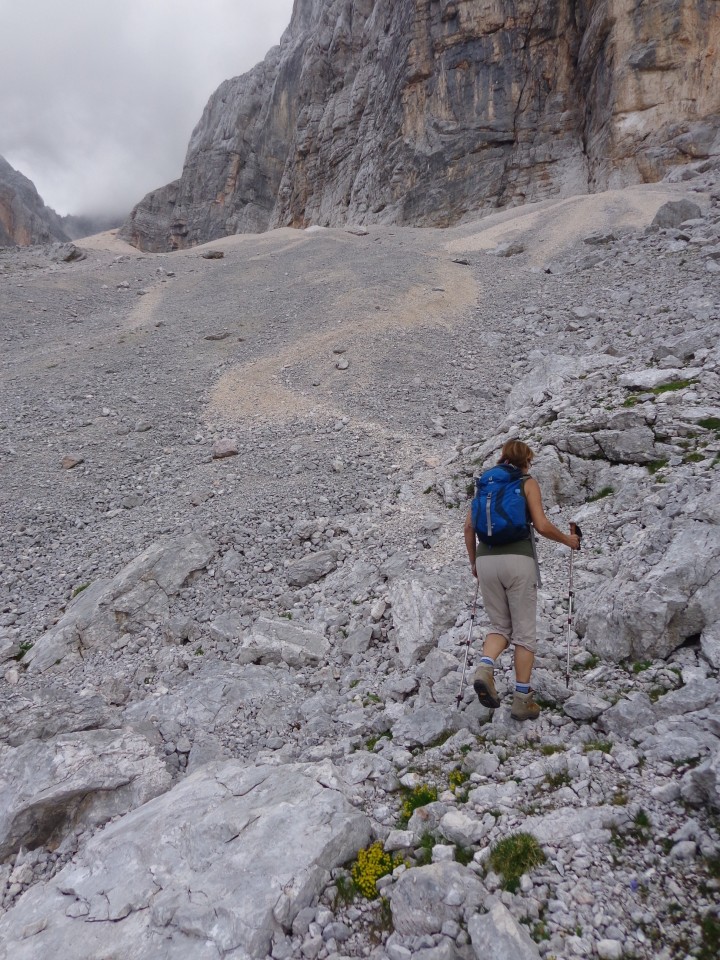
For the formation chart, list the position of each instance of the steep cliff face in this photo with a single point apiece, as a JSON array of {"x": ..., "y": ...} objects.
[
  {"x": 24, "y": 218},
  {"x": 419, "y": 111}
]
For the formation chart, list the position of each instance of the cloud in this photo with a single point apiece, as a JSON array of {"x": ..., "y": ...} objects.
[{"x": 98, "y": 100}]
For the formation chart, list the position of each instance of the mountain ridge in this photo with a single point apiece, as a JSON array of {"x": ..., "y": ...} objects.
[{"x": 421, "y": 112}]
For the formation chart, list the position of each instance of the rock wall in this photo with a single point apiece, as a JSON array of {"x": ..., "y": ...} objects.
[
  {"x": 418, "y": 111},
  {"x": 24, "y": 218}
]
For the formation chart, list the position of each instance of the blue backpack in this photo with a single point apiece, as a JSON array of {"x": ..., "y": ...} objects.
[{"x": 499, "y": 510}]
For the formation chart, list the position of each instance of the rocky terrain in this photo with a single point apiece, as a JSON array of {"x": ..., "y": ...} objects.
[
  {"x": 235, "y": 601},
  {"x": 422, "y": 112},
  {"x": 24, "y": 218}
]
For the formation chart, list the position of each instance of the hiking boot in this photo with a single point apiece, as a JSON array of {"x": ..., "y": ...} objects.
[
  {"x": 524, "y": 707},
  {"x": 485, "y": 686}
]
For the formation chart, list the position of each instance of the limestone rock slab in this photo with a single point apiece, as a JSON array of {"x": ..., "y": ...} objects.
[
  {"x": 422, "y": 609},
  {"x": 49, "y": 787},
  {"x": 424, "y": 898},
  {"x": 139, "y": 594},
  {"x": 648, "y": 616},
  {"x": 215, "y": 868},
  {"x": 311, "y": 568},
  {"x": 496, "y": 935}
]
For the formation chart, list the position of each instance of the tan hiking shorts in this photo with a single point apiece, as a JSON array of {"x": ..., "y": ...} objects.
[{"x": 509, "y": 591}]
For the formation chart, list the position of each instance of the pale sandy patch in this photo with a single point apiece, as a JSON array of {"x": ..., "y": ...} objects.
[
  {"x": 255, "y": 390},
  {"x": 549, "y": 227}
]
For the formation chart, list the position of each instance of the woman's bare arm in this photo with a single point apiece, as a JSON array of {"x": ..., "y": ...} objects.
[
  {"x": 470, "y": 542},
  {"x": 541, "y": 523}
]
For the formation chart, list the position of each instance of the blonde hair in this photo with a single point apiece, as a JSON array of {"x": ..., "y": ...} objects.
[{"x": 516, "y": 453}]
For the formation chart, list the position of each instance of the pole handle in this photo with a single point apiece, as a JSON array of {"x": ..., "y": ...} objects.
[{"x": 576, "y": 531}]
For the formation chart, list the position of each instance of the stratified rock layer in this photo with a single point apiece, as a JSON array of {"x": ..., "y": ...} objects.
[
  {"x": 418, "y": 111},
  {"x": 24, "y": 218}
]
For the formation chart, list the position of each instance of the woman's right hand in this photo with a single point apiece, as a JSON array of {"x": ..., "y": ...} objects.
[{"x": 573, "y": 541}]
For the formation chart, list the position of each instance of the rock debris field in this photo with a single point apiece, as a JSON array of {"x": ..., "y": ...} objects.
[{"x": 235, "y": 599}]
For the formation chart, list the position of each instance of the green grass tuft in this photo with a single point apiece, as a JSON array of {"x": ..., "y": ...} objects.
[
  {"x": 419, "y": 796},
  {"x": 515, "y": 855},
  {"x": 672, "y": 387},
  {"x": 605, "y": 492}
]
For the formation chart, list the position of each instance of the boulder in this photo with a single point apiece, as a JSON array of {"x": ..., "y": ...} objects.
[
  {"x": 647, "y": 615},
  {"x": 424, "y": 898},
  {"x": 216, "y": 695},
  {"x": 76, "y": 779},
  {"x": 653, "y": 377},
  {"x": 636, "y": 445},
  {"x": 423, "y": 726},
  {"x": 675, "y": 212},
  {"x": 585, "y": 706},
  {"x": 628, "y": 716},
  {"x": 224, "y": 448},
  {"x": 138, "y": 595},
  {"x": 311, "y": 568},
  {"x": 496, "y": 935},
  {"x": 702, "y": 784},
  {"x": 280, "y": 641},
  {"x": 565, "y": 822},
  {"x": 45, "y": 712},
  {"x": 216, "y": 867},
  {"x": 422, "y": 609}
]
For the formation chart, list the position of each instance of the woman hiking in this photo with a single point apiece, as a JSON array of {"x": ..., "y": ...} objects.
[{"x": 500, "y": 547}]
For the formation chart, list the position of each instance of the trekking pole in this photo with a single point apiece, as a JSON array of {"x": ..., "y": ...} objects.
[
  {"x": 467, "y": 644},
  {"x": 574, "y": 529}
]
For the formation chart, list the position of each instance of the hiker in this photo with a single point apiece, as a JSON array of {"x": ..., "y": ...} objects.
[{"x": 501, "y": 549}]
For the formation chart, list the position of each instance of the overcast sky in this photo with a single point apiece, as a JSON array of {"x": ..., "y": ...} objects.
[{"x": 98, "y": 97}]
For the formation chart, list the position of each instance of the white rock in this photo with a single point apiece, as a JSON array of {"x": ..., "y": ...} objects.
[
  {"x": 199, "y": 869},
  {"x": 496, "y": 935},
  {"x": 610, "y": 949}
]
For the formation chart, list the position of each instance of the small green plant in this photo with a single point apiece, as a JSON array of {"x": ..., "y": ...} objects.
[
  {"x": 457, "y": 778},
  {"x": 286, "y": 616},
  {"x": 345, "y": 891},
  {"x": 371, "y": 864},
  {"x": 605, "y": 492},
  {"x": 556, "y": 780},
  {"x": 604, "y": 746},
  {"x": 710, "y": 423},
  {"x": 373, "y": 741},
  {"x": 710, "y": 944},
  {"x": 424, "y": 857},
  {"x": 693, "y": 458},
  {"x": 463, "y": 855},
  {"x": 656, "y": 693},
  {"x": 78, "y": 590},
  {"x": 540, "y": 932},
  {"x": 631, "y": 401},
  {"x": 372, "y": 698},
  {"x": 515, "y": 855},
  {"x": 439, "y": 741},
  {"x": 592, "y": 661},
  {"x": 672, "y": 387},
  {"x": 24, "y": 647},
  {"x": 655, "y": 465},
  {"x": 619, "y": 799},
  {"x": 641, "y": 665},
  {"x": 382, "y": 925},
  {"x": 548, "y": 749},
  {"x": 419, "y": 796},
  {"x": 640, "y": 830},
  {"x": 199, "y": 651}
]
